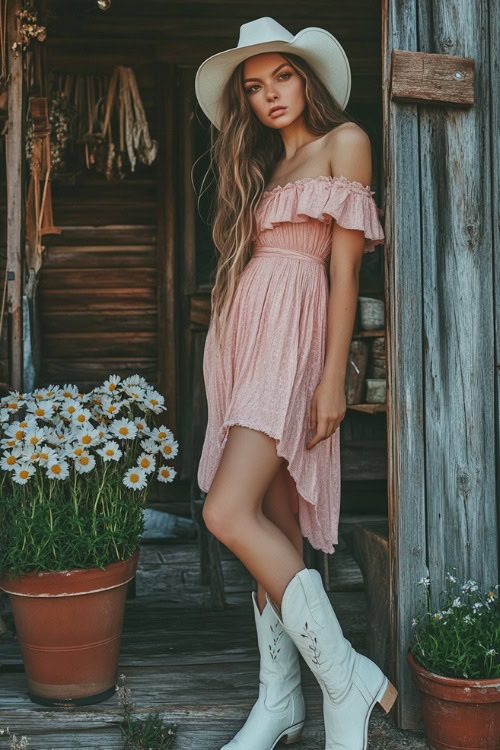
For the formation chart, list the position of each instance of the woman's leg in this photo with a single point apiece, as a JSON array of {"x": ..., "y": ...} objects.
[
  {"x": 233, "y": 510},
  {"x": 280, "y": 505}
]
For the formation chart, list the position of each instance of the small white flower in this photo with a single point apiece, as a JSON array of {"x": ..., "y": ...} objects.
[
  {"x": 150, "y": 446},
  {"x": 141, "y": 426},
  {"x": 457, "y": 602},
  {"x": 81, "y": 417},
  {"x": 110, "y": 451},
  {"x": 84, "y": 463},
  {"x": 34, "y": 438},
  {"x": 46, "y": 454},
  {"x": 147, "y": 462},
  {"x": 450, "y": 577},
  {"x": 11, "y": 458},
  {"x": 68, "y": 391},
  {"x": 70, "y": 407},
  {"x": 110, "y": 385},
  {"x": 135, "y": 478},
  {"x": 57, "y": 469},
  {"x": 161, "y": 433},
  {"x": 477, "y": 606},
  {"x": 43, "y": 409},
  {"x": 166, "y": 474},
  {"x": 424, "y": 582},
  {"x": 87, "y": 436},
  {"x": 438, "y": 616},
  {"x": 154, "y": 401},
  {"x": 414, "y": 623},
  {"x": 123, "y": 428},
  {"x": 135, "y": 392},
  {"x": 109, "y": 407},
  {"x": 468, "y": 619},
  {"x": 491, "y": 652},
  {"x": 135, "y": 380},
  {"x": 22, "y": 472},
  {"x": 169, "y": 449}
]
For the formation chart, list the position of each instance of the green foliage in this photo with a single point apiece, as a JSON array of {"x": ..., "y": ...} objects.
[
  {"x": 143, "y": 734},
  {"x": 462, "y": 638}
]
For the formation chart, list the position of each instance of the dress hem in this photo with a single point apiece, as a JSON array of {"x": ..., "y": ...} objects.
[{"x": 279, "y": 440}]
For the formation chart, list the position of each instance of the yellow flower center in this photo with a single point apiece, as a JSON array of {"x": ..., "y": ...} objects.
[
  {"x": 86, "y": 439},
  {"x": 134, "y": 478},
  {"x": 71, "y": 409},
  {"x": 56, "y": 469},
  {"x": 19, "y": 434},
  {"x": 167, "y": 450},
  {"x": 84, "y": 460},
  {"x": 80, "y": 418},
  {"x": 123, "y": 430},
  {"x": 24, "y": 474},
  {"x": 165, "y": 473},
  {"x": 162, "y": 435},
  {"x": 111, "y": 387},
  {"x": 12, "y": 406},
  {"x": 11, "y": 460},
  {"x": 153, "y": 401},
  {"x": 145, "y": 463},
  {"x": 78, "y": 451},
  {"x": 110, "y": 452},
  {"x": 34, "y": 440},
  {"x": 40, "y": 412}
]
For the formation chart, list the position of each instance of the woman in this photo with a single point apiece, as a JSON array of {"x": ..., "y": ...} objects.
[{"x": 293, "y": 199}]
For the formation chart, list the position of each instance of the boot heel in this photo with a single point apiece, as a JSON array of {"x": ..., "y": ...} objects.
[
  {"x": 389, "y": 696},
  {"x": 293, "y": 735}
]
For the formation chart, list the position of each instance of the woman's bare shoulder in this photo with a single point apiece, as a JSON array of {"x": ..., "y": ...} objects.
[{"x": 348, "y": 150}]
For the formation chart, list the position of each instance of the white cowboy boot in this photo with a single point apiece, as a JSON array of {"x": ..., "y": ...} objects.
[
  {"x": 279, "y": 712},
  {"x": 351, "y": 683}
]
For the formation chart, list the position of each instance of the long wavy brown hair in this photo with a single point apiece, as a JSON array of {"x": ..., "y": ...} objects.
[{"x": 243, "y": 155}]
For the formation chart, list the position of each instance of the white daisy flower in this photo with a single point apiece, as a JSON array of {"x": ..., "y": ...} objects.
[
  {"x": 110, "y": 451},
  {"x": 134, "y": 392},
  {"x": 87, "y": 436},
  {"x": 56, "y": 437},
  {"x": 46, "y": 454},
  {"x": 166, "y": 474},
  {"x": 424, "y": 582},
  {"x": 70, "y": 407},
  {"x": 16, "y": 431},
  {"x": 169, "y": 449},
  {"x": 468, "y": 619},
  {"x": 44, "y": 394},
  {"x": 135, "y": 478},
  {"x": 457, "y": 602},
  {"x": 81, "y": 417},
  {"x": 10, "y": 442},
  {"x": 11, "y": 458},
  {"x": 12, "y": 405},
  {"x": 110, "y": 385},
  {"x": 154, "y": 401},
  {"x": 161, "y": 433},
  {"x": 135, "y": 380},
  {"x": 34, "y": 437},
  {"x": 123, "y": 428},
  {"x": 84, "y": 463},
  {"x": 4, "y": 415},
  {"x": 147, "y": 462},
  {"x": 142, "y": 426},
  {"x": 22, "y": 472},
  {"x": 43, "y": 409},
  {"x": 57, "y": 469},
  {"x": 109, "y": 407},
  {"x": 68, "y": 391},
  {"x": 150, "y": 446}
]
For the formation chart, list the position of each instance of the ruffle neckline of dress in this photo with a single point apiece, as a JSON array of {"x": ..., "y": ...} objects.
[{"x": 354, "y": 184}]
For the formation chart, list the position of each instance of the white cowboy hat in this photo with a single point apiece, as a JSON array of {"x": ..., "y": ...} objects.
[{"x": 318, "y": 47}]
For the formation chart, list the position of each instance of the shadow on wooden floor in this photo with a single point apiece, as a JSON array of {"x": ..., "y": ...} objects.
[{"x": 198, "y": 667}]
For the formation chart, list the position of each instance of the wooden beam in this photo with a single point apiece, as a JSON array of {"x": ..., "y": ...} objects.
[
  {"x": 405, "y": 437},
  {"x": 15, "y": 199},
  {"x": 428, "y": 77}
]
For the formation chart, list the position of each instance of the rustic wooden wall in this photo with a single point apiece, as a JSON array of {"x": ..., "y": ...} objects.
[{"x": 440, "y": 191}]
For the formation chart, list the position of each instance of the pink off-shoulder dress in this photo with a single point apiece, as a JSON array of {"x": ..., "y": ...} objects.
[{"x": 274, "y": 344}]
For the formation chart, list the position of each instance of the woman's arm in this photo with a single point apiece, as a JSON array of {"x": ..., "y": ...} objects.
[{"x": 350, "y": 157}]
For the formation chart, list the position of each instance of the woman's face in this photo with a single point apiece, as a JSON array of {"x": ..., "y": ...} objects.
[{"x": 269, "y": 82}]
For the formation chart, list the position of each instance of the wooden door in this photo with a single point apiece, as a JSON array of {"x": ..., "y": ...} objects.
[{"x": 439, "y": 192}]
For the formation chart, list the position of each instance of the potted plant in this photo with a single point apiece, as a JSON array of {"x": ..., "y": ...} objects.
[
  {"x": 455, "y": 661},
  {"x": 75, "y": 472}
]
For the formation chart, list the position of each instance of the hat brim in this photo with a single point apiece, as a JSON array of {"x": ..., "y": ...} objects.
[{"x": 317, "y": 46}]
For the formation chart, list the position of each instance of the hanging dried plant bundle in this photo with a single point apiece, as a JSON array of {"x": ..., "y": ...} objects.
[{"x": 104, "y": 115}]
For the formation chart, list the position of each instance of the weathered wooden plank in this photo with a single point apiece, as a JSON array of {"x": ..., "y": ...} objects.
[
  {"x": 90, "y": 279},
  {"x": 405, "y": 412},
  {"x": 457, "y": 198},
  {"x": 102, "y": 345},
  {"x": 430, "y": 77},
  {"x": 100, "y": 256},
  {"x": 105, "y": 298},
  {"x": 95, "y": 322},
  {"x": 114, "y": 234},
  {"x": 494, "y": 110}
]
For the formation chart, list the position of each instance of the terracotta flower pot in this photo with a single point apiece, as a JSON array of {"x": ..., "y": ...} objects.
[
  {"x": 459, "y": 714},
  {"x": 69, "y": 627}
]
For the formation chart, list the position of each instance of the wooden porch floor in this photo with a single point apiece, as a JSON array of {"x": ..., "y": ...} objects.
[{"x": 197, "y": 666}]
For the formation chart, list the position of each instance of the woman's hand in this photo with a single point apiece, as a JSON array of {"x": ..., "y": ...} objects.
[{"x": 327, "y": 411}]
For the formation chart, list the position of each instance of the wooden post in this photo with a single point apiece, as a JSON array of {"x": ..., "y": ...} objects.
[
  {"x": 15, "y": 198},
  {"x": 439, "y": 225}
]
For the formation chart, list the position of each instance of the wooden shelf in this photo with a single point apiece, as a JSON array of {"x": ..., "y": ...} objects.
[
  {"x": 368, "y": 408},
  {"x": 364, "y": 334}
]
